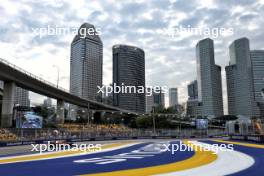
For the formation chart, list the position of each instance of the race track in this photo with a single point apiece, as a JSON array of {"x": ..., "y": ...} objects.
[{"x": 133, "y": 158}]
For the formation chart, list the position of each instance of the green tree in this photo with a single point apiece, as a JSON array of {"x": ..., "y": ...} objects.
[{"x": 143, "y": 122}]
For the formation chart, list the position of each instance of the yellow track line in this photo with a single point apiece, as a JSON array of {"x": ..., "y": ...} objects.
[
  {"x": 200, "y": 158},
  {"x": 241, "y": 143},
  {"x": 53, "y": 155}
]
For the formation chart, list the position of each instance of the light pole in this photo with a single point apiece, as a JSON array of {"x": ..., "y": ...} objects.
[
  {"x": 58, "y": 74},
  {"x": 154, "y": 121},
  {"x": 88, "y": 114}
]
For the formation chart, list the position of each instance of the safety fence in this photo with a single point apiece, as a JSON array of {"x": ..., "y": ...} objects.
[{"x": 26, "y": 135}]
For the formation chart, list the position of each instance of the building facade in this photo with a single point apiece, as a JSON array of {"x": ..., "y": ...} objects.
[
  {"x": 129, "y": 70},
  {"x": 173, "y": 97},
  {"x": 194, "y": 107},
  {"x": 149, "y": 101},
  {"x": 86, "y": 67},
  {"x": 193, "y": 90},
  {"x": 159, "y": 98},
  {"x": 257, "y": 60},
  {"x": 22, "y": 97},
  {"x": 47, "y": 102},
  {"x": 156, "y": 99},
  {"x": 209, "y": 80},
  {"x": 240, "y": 87}
]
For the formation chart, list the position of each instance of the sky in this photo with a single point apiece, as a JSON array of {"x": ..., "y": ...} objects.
[{"x": 170, "y": 60}]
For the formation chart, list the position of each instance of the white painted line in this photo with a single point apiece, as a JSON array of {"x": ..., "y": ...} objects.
[
  {"x": 227, "y": 162},
  {"x": 69, "y": 155}
]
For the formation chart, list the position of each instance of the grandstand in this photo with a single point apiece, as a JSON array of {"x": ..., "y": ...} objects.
[
  {"x": 93, "y": 130},
  {"x": 6, "y": 135},
  {"x": 258, "y": 126}
]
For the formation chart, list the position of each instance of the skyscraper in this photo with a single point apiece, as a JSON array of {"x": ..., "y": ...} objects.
[
  {"x": 257, "y": 59},
  {"x": 194, "y": 108},
  {"x": 86, "y": 65},
  {"x": 173, "y": 97},
  {"x": 129, "y": 69},
  {"x": 47, "y": 102},
  {"x": 156, "y": 99},
  {"x": 149, "y": 101},
  {"x": 240, "y": 88},
  {"x": 209, "y": 79},
  {"x": 22, "y": 97},
  {"x": 159, "y": 98},
  {"x": 193, "y": 90}
]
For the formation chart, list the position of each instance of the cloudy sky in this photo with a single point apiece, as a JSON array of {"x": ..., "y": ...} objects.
[{"x": 170, "y": 61}]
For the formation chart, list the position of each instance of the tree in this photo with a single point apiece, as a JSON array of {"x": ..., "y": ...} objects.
[
  {"x": 144, "y": 122},
  {"x": 147, "y": 121}
]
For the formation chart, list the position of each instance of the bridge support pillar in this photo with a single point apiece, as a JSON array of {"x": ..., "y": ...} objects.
[
  {"x": 60, "y": 111},
  {"x": 8, "y": 104}
]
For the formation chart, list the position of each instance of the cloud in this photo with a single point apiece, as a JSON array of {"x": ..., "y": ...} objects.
[{"x": 169, "y": 61}]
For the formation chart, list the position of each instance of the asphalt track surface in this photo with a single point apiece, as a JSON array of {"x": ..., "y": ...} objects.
[{"x": 138, "y": 157}]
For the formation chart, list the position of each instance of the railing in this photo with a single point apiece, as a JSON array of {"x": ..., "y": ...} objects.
[
  {"x": 3, "y": 61},
  {"x": 50, "y": 134}
]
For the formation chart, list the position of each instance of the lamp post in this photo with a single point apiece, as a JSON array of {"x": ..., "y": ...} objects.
[
  {"x": 88, "y": 114},
  {"x": 154, "y": 121}
]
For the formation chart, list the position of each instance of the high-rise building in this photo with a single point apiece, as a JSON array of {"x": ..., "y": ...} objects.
[
  {"x": 22, "y": 97},
  {"x": 47, "y": 102},
  {"x": 173, "y": 97},
  {"x": 129, "y": 70},
  {"x": 156, "y": 99},
  {"x": 149, "y": 100},
  {"x": 86, "y": 67},
  {"x": 194, "y": 107},
  {"x": 240, "y": 88},
  {"x": 257, "y": 60},
  {"x": 193, "y": 90},
  {"x": 209, "y": 79},
  {"x": 159, "y": 98}
]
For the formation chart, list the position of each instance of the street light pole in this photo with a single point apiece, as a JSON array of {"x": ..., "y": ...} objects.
[
  {"x": 58, "y": 74},
  {"x": 88, "y": 114},
  {"x": 154, "y": 121}
]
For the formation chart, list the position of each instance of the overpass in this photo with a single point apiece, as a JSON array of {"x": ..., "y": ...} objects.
[{"x": 14, "y": 76}]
